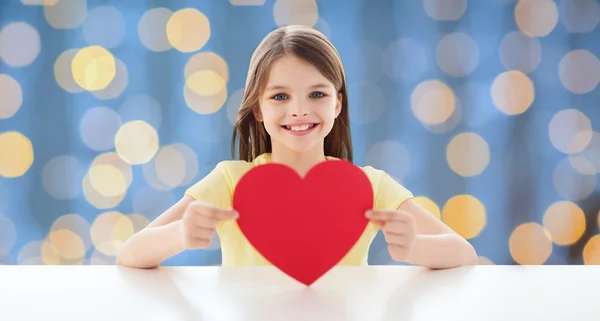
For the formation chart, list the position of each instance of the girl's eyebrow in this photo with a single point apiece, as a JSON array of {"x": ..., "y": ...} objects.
[{"x": 279, "y": 87}]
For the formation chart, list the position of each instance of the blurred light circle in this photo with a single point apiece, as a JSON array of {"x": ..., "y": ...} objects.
[
  {"x": 591, "y": 251},
  {"x": 170, "y": 166},
  {"x": 457, "y": 54},
  {"x": 581, "y": 16},
  {"x": 468, "y": 154},
  {"x": 109, "y": 231},
  {"x": 445, "y": 10},
  {"x": 207, "y": 61},
  {"x": 11, "y": 96},
  {"x": 16, "y": 154},
  {"x": 519, "y": 51},
  {"x": 233, "y": 105},
  {"x": 66, "y": 14},
  {"x": 139, "y": 221},
  {"x": 404, "y": 60},
  {"x": 570, "y": 131},
  {"x": 512, "y": 92},
  {"x": 536, "y": 17},
  {"x": 205, "y": 83},
  {"x": 94, "y": 68},
  {"x": 67, "y": 244},
  {"x": 107, "y": 180},
  {"x": 204, "y": 104},
  {"x": 61, "y": 177},
  {"x": 247, "y": 2},
  {"x": 64, "y": 73},
  {"x": 465, "y": 215},
  {"x": 588, "y": 160},
  {"x": 432, "y": 102},
  {"x": 77, "y": 224},
  {"x": 104, "y": 26},
  {"x": 19, "y": 44},
  {"x": 98, "y": 128},
  {"x": 136, "y": 142},
  {"x": 296, "y": 12},
  {"x": 92, "y": 195},
  {"x": 152, "y": 29},
  {"x": 579, "y": 71},
  {"x": 30, "y": 254},
  {"x": 570, "y": 183},
  {"x": 530, "y": 244},
  {"x": 188, "y": 30},
  {"x": 429, "y": 205},
  {"x": 481, "y": 260},
  {"x": 391, "y": 157},
  {"x": 565, "y": 221},
  {"x": 117, "y": 86}
]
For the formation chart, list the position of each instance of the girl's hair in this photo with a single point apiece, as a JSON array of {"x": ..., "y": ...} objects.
[{"x": 305, "y": 43}]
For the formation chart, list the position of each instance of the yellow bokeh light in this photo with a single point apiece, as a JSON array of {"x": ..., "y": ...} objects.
[
  {"x": 117, "y": 86},
  {"x": 94, "y": 68},
  {"x": 530, "y": 244},
  {"x": 75, "y": 223},
  {"x": 536, "y": 17},
  {"x": 8, "y": 235},
  {"x": 204, "y": 104},
  {"x": 432, "y": 102},
  {"x": 16, "y": 154},
  {"x": 64, "y": 73},
  {"x": 512, "y": 92},
  {"x": 67, "y": 244},
  {"x": 205, "y": 83},
  {"x": 591, "y": 251},
  {"x": 188, "y": 30},
  {"x": 107, "y": 180},
  {"x": 66, "y": 14},
  {"x": 109, "y": 231},
  {"x": 465, "y": 214},
  {"x": 207, "y": 61},
  {"x": 11, "y": 96},
  {"x": 468, "y": 154},
  {"x": 136, "y": 142},
  {"x": 428, "y": 205},
  {"x": 579, "y": 71},
  {"x": 565, "y": 221},
  {"x": 98, "y": 200},
  {"x": 570, "y": 131},
  {"x": 296, "y": 12}
]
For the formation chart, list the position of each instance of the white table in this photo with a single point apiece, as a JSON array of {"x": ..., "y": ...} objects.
[{"x": 479, "y": 293}]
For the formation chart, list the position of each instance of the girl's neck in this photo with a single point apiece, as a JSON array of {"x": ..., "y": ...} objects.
[{"x": 300, "y": 162}]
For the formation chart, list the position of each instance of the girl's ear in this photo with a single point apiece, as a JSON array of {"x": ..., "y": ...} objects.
[{"x": 338, "y": 105}]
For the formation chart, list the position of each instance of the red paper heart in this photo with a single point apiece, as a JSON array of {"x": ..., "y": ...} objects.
[{"x": 303, "y": 226}]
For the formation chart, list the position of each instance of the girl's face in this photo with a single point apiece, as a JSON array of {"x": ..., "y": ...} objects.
[{"x": 299, "y": 105}]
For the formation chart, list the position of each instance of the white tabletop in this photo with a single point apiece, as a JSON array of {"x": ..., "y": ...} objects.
[{"x": 480, "y": 293}]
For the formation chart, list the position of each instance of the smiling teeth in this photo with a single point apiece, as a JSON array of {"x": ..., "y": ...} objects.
[{"x": 298, "y": 128}]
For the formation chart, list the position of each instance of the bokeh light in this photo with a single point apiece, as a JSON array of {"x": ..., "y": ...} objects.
[
  {"x": 247, "y": 2},
  {"x": 429, "y": 205},
  {"x": 66, "y": 14},
  {"x": 530, "y": 244},
  {"x": 368, "y": 100},
  {"x": 61, "y": 177},
  {"x": 296, "y": 12},
  {"x": 205, "y": 83},
  {"x": 206, "y": 76},
  {"x": 482, "y": 260},
  {"x": 445, "y": 10},
  {"x": 570, "y": 183},
  {"x": 12, "y": 96},
  {"x": 31, "y": 254},
  {"x": 570, "y": 131},
  {"x": 76, "y": 224},
  {"x": 136, "y": 142},
  {"x": 536, "y": 17},
  {"x": 39, "y": 2},
  {"x": 64, "y": 73},
  {"x": 16, "y": 154},
  {"x": 432, "y": 102},
  {"x": 233, "y": 105},
  {"x": 591, "y": 251},
  {"x": 117, "y": 85},
  {"x": 588, "y": 160},
  {"x": 465, "y": 214},
  {"x": 188, "y": 30},
  {"x": 519, "y": 51},
  {"x": 152, "y": 29},
  {"x": 107, "y": 180},
  {"x": 104, "y": 26},
  {"x": 581, "y": 16},
  {"x": 98, "y": 128},
  {"x": 579, "y": 71},
  {"x": 565, "y": 221},
  {"x": 94, "y": 68},
  {"x": 67, "y": 244},
  {"x": 390, "y": 156},
  {"x": 109, "y": 231},
  {"x": 170, "y": 166},
  {"x": 468, "y": 154},
  {"x": 93, "y": 196},
  {"x": 19, "y": 44},
  {"x": 457, "y": 54},
  {"x": 512, "y": 92},
  {"x": 404, "y": 60}
]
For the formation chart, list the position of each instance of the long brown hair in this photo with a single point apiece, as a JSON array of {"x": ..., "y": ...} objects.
[{"x": 249, "y": 135}]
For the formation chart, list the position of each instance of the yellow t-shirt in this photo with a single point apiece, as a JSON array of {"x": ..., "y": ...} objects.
[{"x": 217, "y": 189}]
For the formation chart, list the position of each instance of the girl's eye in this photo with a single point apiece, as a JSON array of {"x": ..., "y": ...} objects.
[
  {"x": 317, "y": 95},
  {"x": 279, "y": 97}
]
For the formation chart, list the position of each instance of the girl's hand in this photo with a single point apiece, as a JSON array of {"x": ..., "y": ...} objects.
[
  {"x": 199, "y": 222},
  {"x": 399, "y": 230}
]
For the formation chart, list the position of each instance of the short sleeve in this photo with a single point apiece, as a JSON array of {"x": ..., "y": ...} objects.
[
  {"x": 214, "y": 188},
  {"x": 389, "y": 194}
]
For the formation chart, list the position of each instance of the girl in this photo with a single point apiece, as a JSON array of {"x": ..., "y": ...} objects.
[{"x": 295, "y": 112}]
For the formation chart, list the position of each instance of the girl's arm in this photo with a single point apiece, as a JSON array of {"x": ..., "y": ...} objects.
[{"x": 156, "y": 242}]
